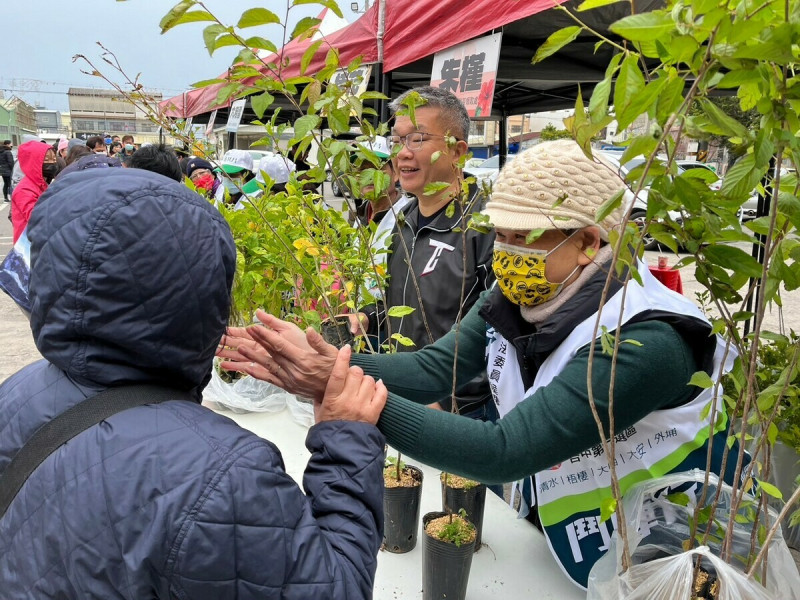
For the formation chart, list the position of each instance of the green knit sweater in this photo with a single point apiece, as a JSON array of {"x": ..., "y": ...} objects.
[{"x": 548, "y": 427}]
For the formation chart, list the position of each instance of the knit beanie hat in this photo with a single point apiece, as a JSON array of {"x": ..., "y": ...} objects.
[{"x": 527, "y": 188}]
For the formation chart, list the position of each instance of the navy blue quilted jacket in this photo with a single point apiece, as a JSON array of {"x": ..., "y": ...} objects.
[{"x": 130, "y": 284}]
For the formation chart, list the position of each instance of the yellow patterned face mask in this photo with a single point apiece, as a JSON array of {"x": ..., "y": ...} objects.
[{"x": 520, "y": 273}]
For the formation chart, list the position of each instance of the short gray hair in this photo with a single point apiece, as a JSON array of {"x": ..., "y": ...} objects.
[{"x": 453, "y": 111}]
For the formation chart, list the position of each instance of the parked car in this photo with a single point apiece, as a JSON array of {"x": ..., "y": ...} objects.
[
  {"x": 695, "y": 164},
  {"x": 473, "y": 162},
  {"x": 489, "y": 169},
  {"x": 639, "y": 210}
]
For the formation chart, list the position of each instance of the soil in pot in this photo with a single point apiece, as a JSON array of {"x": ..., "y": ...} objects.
[
  {"x": 706, "y": 586},
  {"x": 460, "y": 493},
  {"x": 337, "y": 331},
  {"x": 447, "y": 549},
  {"x": 401, "y": 501}
]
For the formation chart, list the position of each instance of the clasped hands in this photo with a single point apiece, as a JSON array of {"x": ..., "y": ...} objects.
[{"x": 302, "y": 363}]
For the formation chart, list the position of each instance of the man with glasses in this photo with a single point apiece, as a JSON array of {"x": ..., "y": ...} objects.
[{"x": 436, "y": 265}]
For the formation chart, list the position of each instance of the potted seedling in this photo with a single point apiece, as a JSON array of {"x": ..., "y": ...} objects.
[
  {"x": 448, "y": 546},
  {"x": 459, "y": 493},
  {"x": 401, "y": 501}
]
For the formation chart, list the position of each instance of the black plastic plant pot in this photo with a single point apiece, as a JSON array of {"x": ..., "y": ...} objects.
[
  {"x": 401, "y": 515},
  {"x": 337, "y": 332},
  {"x": 445, "y": 566},
  {"x": 472, "y": 501}
]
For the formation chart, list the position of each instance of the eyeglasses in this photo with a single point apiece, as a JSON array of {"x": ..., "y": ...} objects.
[
  {"x": 197, "y": 173},
  {"x": 412, "y": 141}
]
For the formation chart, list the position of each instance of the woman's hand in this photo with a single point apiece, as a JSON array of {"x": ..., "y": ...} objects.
[
  {"x": 281, "y": 353},
  {"x": 350, "y": 395}
]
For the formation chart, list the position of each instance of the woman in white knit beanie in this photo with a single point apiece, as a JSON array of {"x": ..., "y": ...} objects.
[{"x": 533, "y": 334}]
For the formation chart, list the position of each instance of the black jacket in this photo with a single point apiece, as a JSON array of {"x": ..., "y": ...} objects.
[
  {"x": 6, "y": 161},
  {"x": 434, "y": 291}
]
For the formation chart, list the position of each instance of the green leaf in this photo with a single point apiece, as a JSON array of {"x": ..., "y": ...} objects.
[
  {"x": 534, "y": 234},
  {"x": 641, "y": 145},
  {"x": 435, "y": 156},
  {"x": 741, "y": 178},
  {"x": 608, "y": 506},
  {"x": 770, "y": 489},
  {"x": 304, "y": 25},
  {"x": 644, "y": 26},
  {"x": 370, "y": 95},
  {"x": 431, "y": 189},
  {"x": 304, "y": 125},
  {"x": 555, "y": 42},
  {"x": 610, "y": 205},
  {"x": 226, "y": 40},
  {"x": 207, "y": 82},
  {"x": 733, "y": 258},
  {"x": 339, "y": 120},
  {"x": 735, "y": 78},
  {"x": 598, "y": 103},
  {"x": 405, "y": 341},
  {"x": 590, "y": 4},
  {"x": 210, "y": 34},
  {"x": 728, "y": 126},
  {"x": 642, "y": 101},
  {"x": 169, "y": 20},
  {"x": 261, "y": 103},
  {"x": 261, "y": 43},
  {"x": 257, "y": 16},
  {"x": 679, "y": 498},
  {"x": 308, "y": 55},
  {"x": 331, "y": 4},
  {"x": 670, "y": 98},
  {"x": 194, "y": 16},
  {"x": 629, "y": 82},
  {"x": 701, "y": 379},
  {"x": 400, "y": 311}
]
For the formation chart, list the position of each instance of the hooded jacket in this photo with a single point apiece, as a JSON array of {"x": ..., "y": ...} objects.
[
  {"x": 130, "y": 283},
  {"x": 31, "y": 158},
  {"x": 91, "y": 161},
  {"x": 6, "y": 161}
]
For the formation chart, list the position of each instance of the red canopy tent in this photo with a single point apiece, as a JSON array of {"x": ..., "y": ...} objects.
[{"x": 412, "y": 32}]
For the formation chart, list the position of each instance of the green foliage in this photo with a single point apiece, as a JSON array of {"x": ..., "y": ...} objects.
[
  {"x": 394, "y": 467},
  {"x": 458, "y": 531},
  {"x": 549, "y": 133}
]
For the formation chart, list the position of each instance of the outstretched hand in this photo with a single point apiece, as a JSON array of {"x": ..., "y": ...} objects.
[
  {"x": 283, "y": 354},
  {"x": 350, "y": 395},
  {"x": 229, "y": 350}
]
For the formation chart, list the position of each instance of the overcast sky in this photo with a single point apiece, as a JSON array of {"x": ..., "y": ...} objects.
[{"x": 40, "y": 37}]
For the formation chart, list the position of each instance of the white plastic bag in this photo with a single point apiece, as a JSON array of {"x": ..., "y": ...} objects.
[
  {"x": 246, "y": 394},
  {"x": 657, "y": 527}
]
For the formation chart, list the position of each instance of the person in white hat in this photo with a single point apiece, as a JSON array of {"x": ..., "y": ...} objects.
[
  {"x": 237, "y": 169},
  {"x": 533, "y": 334},
  {"x": 275, "y": 166}
]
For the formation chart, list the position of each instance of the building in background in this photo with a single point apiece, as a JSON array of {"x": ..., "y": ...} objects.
[
  {"x": 107, "y": 112},
  {"x": 17, "y": 119},
  {"x": 50, "y": 125}
]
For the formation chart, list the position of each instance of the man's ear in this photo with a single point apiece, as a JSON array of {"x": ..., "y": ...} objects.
[
  {"x": 460, "y": 149},
  {"x": 589, "y": 244}
]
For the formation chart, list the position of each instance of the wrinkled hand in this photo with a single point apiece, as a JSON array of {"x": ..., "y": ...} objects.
[
  {"x": 282, "y": 354},
  {"x": 229, "y": 347},
  {"x": 350, "y": 395}
]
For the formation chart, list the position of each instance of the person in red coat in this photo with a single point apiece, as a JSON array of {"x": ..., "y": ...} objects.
[{"x": 38, "y": 163}]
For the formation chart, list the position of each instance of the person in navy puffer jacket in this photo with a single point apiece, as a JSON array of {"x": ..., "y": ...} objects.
[{"x": 130, "y": 284}]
